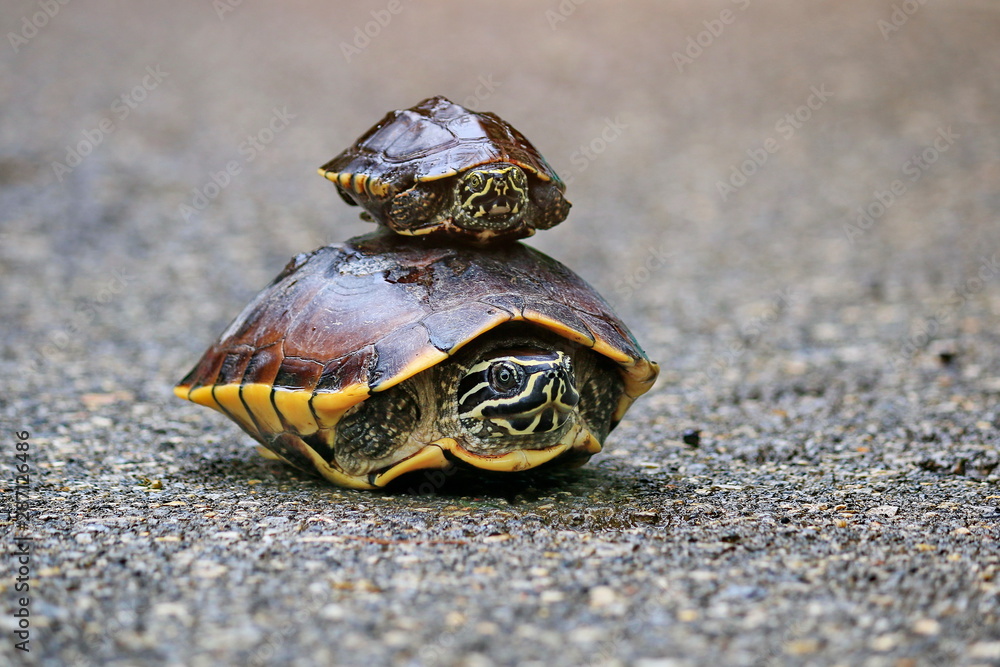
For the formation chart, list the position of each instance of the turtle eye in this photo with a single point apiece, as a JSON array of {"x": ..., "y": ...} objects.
[
  {"x": 504, "y": 376},
  {"x": 518, "y": 177},
  {"x": 476, "y": 180}
]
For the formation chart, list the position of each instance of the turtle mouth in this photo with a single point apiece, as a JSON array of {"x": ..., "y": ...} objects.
[
  {"x": 442, "y": 454},
  {"x": 501, "y": 209}
]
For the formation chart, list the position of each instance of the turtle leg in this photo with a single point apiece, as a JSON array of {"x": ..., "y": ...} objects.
[
  {"x": 365, "y": 215},
  {"x": 377, "y": 427},
  {"x": 346, "y": 197},
  {"x": 414, "y": 208},
  {"x": 552, "y": 208}
]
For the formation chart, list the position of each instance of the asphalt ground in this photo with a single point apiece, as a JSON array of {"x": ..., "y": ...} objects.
[{"x": 840, "y": 503}]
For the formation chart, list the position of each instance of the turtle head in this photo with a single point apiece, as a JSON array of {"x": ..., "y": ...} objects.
[
  {"x": 491, "y": 197},
  {"x": 518, "y": 393}
]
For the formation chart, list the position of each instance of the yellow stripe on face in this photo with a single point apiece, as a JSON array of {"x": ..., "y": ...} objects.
[{"x": 530, "y": 390}]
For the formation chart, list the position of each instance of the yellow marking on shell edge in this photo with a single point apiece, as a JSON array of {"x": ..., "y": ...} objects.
[
  {"x": 257, "y": 397},
  {"x": 430, "y": 456},
  {"x": 228, "y": 396},
  {"x": 611, "y": 353},
  {"x": 201, "y": 396},
  {"x": 416, "y": 232},
  {"x": 336, "y": 476},
  {"x": 640, "y": 377},
  {"x": 558, "y": 327},
  {"x": 377, "y": 187},
  {"x": 638, "y": 374},
  {"x": 293, "y": 406},
  {"x": 268, "y": 454},
  {"x": 359, "y": 182},
  {"x": 435, "y": 177},
  {"x": 426, "y": 359},
  {"x": 334, "y": 176},
  {"x": 521, "y": 459},
  {"x": 342, "y": 179},
  {"x": 329, "y": 408},
  {"x": 322, "y": 467}
]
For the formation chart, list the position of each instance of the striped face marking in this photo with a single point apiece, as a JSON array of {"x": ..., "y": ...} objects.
[
  {"x": 491, "y": 197},
  {"x": 518, "y": 394}
]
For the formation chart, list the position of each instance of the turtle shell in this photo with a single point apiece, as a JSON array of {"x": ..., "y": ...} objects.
[
  {"x": 434, "y": 140},
  {"x": 350, "y": 319}
]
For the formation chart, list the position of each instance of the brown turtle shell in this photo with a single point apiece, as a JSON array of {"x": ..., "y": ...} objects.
[
  {"x": 359, "y": 317},
  {"x": 434, "y": 140}
]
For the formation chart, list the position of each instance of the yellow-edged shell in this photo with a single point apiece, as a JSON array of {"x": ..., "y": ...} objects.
[{"x": 351, "y": 319}]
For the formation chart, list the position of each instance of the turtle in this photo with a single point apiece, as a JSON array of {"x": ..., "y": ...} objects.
[
  {"x": 384, "y": 355},
  {"x": 441, "y": 169}
]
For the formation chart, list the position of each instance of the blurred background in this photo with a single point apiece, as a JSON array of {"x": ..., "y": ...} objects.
[
  {"x": 651, "y": 112},
  {"x": 794, "y": 205}
]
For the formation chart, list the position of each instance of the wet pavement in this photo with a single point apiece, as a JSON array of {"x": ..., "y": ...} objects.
[{"x": 793, "y": 205}]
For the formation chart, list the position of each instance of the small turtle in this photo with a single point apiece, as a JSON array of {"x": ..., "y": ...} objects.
[
  {"x": 381, "y": 356},
  {"x": 441, "y": 169}
]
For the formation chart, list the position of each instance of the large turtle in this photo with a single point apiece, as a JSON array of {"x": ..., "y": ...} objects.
[
  {"x": 384, "y": 355},
  {"x": 441, "y": 169}
]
